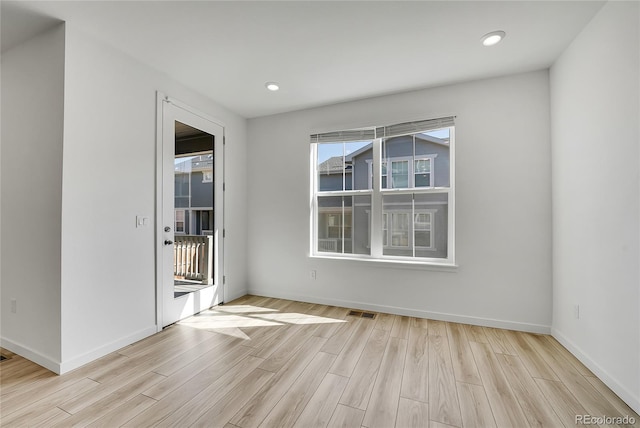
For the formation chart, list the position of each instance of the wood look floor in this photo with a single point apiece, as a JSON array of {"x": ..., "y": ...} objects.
[{"x": 262, "y": 362}]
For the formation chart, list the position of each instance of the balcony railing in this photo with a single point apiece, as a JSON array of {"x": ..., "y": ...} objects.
[
  {"x": 334, "y": 245},
  {"x": 193, "y": 258}
]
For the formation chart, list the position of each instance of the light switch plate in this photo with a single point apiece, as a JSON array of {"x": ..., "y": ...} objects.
[{"x": 142, "y": 221}]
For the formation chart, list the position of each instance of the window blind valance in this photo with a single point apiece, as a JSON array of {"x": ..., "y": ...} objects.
[
  {"x": 408, "y": 128},
  {"x": 395, "y": 130},
  {"x": 345, "y": 136}
]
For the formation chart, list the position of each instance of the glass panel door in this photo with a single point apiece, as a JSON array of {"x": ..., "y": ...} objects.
[
  {"x": 190, "y": 248},
  {"x": 193, "y": 201}
]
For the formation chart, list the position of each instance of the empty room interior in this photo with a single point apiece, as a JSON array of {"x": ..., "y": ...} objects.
[{"x": 320, "y": 213}]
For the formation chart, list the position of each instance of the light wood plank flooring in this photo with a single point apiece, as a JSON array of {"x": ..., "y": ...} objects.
[{"x": 263, "y": 362}]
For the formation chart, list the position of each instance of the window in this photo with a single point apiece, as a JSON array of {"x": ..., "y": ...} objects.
[
  {"x": 179, "y": 227},
  {"x": 207, "y": 176},
  {"x": 423, "y": 230},
  {"x": 399, "y": 230},
  {"x": 405, "y": 172},
  {"x": 385, "y": 193},
  {"x": 422, "y": 172},
  {"x": 407, "y": 234},
  {"x": 182, "y": 190},
  {"x": 399, "y": 174}
]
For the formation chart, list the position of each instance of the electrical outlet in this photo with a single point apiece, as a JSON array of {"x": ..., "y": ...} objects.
[
  {"x": 14, "y": 306},
  {"x": 576, "y": 311},
  {"x": 313, "y": 274}
]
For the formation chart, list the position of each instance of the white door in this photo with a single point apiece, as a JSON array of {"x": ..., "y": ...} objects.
[{"x": 190, "y": 212}]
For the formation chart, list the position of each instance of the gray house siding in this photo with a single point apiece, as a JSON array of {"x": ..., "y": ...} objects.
[
  {"x": 333, "y": 181},
  {"x": 361, "y": 169},
  {"x": 361, "y": 216},
  {"x": 201, "y": 193},
  {"x": 181, "y": 190},
  {"x": 403, "y": 147}
]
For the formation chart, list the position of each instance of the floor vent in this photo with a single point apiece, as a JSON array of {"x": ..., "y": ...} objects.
[{"x": 361, "y": 314}]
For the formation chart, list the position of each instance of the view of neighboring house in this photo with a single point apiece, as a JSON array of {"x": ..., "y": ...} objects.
[
  {"x": 194, "y": 195},
  {"x": 413, "y": 225}
]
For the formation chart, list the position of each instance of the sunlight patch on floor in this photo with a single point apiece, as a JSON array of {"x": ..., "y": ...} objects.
[
  {"x": 218, "y": 320},
  {"x": 229, "y": 320},
  {"x": 295, "y": 318},
  {"x": 243, "y": 309}
]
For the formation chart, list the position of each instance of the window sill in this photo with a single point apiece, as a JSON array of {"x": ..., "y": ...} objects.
[{"x": 394, "y": 263}]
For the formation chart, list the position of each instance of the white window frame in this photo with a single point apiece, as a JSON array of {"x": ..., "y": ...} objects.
[{"x": 377, "y": 193}]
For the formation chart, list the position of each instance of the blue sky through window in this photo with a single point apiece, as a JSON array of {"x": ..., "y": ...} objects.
[{"x": 326, "y": 151}]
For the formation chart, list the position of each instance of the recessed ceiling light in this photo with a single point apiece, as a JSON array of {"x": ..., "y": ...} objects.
[
  {"x": 493, "y": 38},
  {"x": 272, "y": 86}
]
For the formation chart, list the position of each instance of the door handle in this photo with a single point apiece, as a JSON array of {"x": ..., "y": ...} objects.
[{"x": 168, "y": 242}]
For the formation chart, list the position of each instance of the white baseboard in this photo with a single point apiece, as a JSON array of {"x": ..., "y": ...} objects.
[
  {"x": 81, "y": 360},
  {"x": 613, "y": 384},
  {"x": 31, "y": 355},
  {"x": 486, "y": 322},
  {"x": 66, "y": 366}
]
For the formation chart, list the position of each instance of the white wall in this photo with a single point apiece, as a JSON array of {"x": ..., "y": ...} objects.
[
  {"x": 78, "y": 165},
  {"x": 108, "y": 282},
  {"x": 32, "y": 113},
  {"x": 503, "y": 208},
  {"x": 595, "y": 117}
]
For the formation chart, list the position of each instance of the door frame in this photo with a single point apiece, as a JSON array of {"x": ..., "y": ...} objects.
[{"x": 161, "y": 101}]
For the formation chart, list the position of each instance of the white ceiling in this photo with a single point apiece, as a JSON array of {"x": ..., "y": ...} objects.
[{"x": 321, "y": 52}]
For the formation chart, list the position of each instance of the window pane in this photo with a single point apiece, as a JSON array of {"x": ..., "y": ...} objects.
[
  {"x": 343, "y": 224},
  {"x": 356, "y": 166},
  {"x": 417, "y": 225},
  {"x": 399, "y": 229},
  {"x": 422, "y": 229},
  {"x": 343, "y": 166},
  {"x": 433, "y": 143},
  {"x": 397, "y": 211},
  {"x": 360, "y": 225},
  {"x": 383, "y": 174},
  {"x": 329, "y": 224},
  {"x": 423, "y": 166},
  {"x": 181, "y": 189},
  {"x": 330, "y": 166},
  {"x": 422, "y": 171},
  {"x": 179, "y": 216},
  {"x": 423, "y": 239},
  {"x": 400, "y": 174},
  {"x": 431, "y": 225},
  {"x": 422, "y": 221},
  {"x": 385, "y": 230}
]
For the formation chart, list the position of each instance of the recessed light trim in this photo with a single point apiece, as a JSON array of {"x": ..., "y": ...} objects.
[
  {"x": 272, "y": 86},
  {"x": 493, "y": 38}
]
